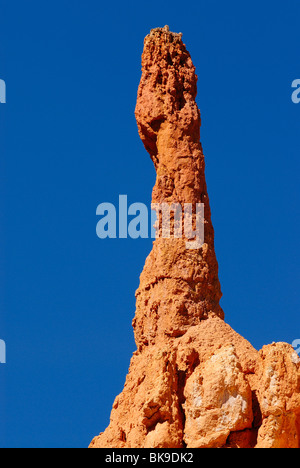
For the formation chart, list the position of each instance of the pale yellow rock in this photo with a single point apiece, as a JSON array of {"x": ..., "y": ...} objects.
[{"x": 218, "y": 401}]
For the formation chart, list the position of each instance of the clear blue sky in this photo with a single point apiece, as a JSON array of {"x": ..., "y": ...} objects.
[{"x": 69, "y": 142}]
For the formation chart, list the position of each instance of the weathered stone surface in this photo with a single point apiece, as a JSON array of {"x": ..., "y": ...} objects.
[
  {"x": 193, "y": 381},
  {"x": 279, "y": 396},
  {"x": 218, "y": 400},
  {"x": 178, "y": 287}
]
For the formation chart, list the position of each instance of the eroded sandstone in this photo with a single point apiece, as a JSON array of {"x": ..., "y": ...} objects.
[{"x": 193, "y": 381}]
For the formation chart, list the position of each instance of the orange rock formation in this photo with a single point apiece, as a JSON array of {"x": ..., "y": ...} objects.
[{"x": 193, "y": 382}]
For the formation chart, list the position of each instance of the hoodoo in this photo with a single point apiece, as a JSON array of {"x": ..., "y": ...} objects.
[{"x": 193, "y": 381}]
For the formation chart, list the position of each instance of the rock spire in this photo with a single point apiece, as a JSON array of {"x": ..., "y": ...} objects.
[{"x": 193, "y": 382}]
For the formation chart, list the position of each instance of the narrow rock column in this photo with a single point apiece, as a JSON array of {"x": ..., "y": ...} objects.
[{"x": 179, "y": 287}]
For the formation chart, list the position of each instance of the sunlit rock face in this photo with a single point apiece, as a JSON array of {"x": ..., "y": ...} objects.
[{"x": 193, "y": 381}]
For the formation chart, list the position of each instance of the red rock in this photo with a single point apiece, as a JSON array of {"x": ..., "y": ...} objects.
[{"x": 193, "y": 381}]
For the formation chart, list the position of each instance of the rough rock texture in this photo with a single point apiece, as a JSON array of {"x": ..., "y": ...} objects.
[
  {"x": 193, "y": 382},
  {"x": 179, "y": 287}
]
